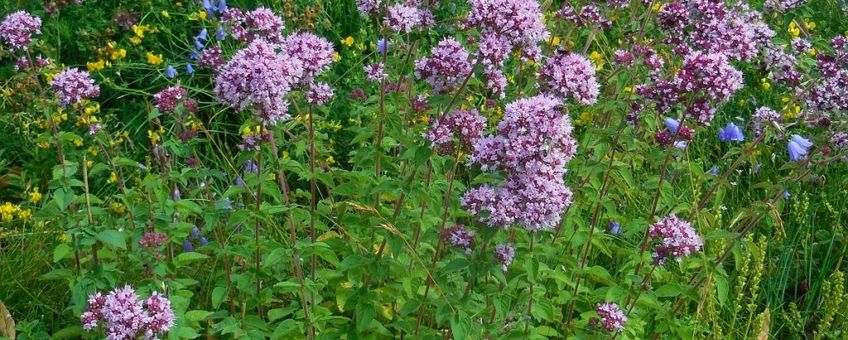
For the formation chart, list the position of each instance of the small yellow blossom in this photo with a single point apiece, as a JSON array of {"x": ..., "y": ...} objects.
[
  {"x": 154, "y": 59},
  {"x": 766, "y": 85},
  {"x": 94, "y": 66},
  {"x": 285, "y": 154},
  {"x": 555, "y": 40},
  {"x": 784, "y": 99},
  {"x": 330, "y": 160},
  {"x": 119, "y": 54},
  {"x": 166, "y": 14},
  {"x": 201, "y": 15},
  {"x": 336, "y": 56},
  {"x": 794, "y": 30},
  {"x": 35, "y": 195},
  {"x": 118, "y": 208},
  {"x": 153, "y": 136},
  {"x": 812, "y": 52},
  {"x": 25, "y": 214},
  {"x": 78, "y": 142},
  {"x": 112, "y": 178},
  {"x": 135, "y": 41},
  {"x": 8, "y": 211},
  {"x": 89, "y": 164},
  {"x": 810, "y": 25},
  {"x": 347, "y": 41},
  {"x": 43, "y": 145},
  {"x": 92, "y": 109},
  {"x": 658, "y": 6},
  {"x": 139, "y": 30}
]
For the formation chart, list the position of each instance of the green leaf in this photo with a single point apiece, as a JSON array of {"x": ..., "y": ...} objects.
[
  {"x": 218, "y": 295},
  {"x": 197, "y": 315},
  {"x": 61, "y": 252},
  {"x": 113, "y": 238},
  {"x": 364, "y": 314},
  {"x": 189, "y": 257}
]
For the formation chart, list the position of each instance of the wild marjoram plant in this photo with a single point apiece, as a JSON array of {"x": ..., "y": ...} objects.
[{"x": 448, "y": 169}]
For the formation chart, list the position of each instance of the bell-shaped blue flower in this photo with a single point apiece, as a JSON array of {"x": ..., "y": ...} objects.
[
  {"x": 170, "y": 72},
  {"x": 672, "y": 125},
  {"x": 798, "y": 147},
  {"x": 220, "y": 34},
  {"x": 203, "y": 35},
  {"x": 731, "y": 133},
  {"x": 189, "y": 69},
  {"x": 383, "y": 46},
  {"x": 714, "y": 170},
  {"x": 222, "y": 6},
  {"x": 198, "y": 45}
]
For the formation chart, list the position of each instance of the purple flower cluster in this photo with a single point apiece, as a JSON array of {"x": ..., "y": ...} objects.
[
  {"x": 152, "y": 239},
  {"x": 446, "y": 67},
  {"x": 168, "y": 99},
  {"x": 74, "y": 85},
  {"x": 125, "y": 316},
  {"x": 677, "y": 239},
  {"x": 375, "y": 72},
  {"x": 314, "y": 53},
  {"x": 570, "y": 75},
  {"x": 211, "y": 58},
  {"x": 17, "y": 29},
  {"x": 505, "y": 24},
  {"x": 259, "y": 78},
  {"x": 532, "y": 146},
  {"x": 711, "y": 73},
  {"x": 762, "y": 116},
  {"x": 368, "y": 7},
  {"x": 402, "y": 18},
  {"x": 504, "y": 253},
  {"x": 612, "y": 317},
  {"x": 459, "y": 236},
  {"x": 260, "y": 23},
  {"x": 460, "y": 129},
  {"x": 319, "y": 94}
]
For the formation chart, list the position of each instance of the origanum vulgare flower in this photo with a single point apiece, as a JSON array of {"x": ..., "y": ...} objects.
[
  {"x": 74, "y": 85},
  {"x": 676, "y": 239},
  {"x": 123, "y": 315}
]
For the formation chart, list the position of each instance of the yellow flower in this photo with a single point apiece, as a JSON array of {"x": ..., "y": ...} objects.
[
  {"x": 63, "y": 237},
  {"x": 89, "y": 164},
  {"x": 7, "y": 211},
  {"x": 92, "y": 109},
  {"x": 330, "y": 160},
  {"x": 766, "y": 85},
  {"x": 336, "y": 56},
  {"x": 139, "y": 30},
  {"x": 784, "y": 99},
  {"x": 35, "y": 195},
  {"x": 154, "y": 59},
  {"x": 94, "y": 66},
  {"x": 812, "y": 52},
  {"x": 285, "y": 154},
  {"x": 810, "y": 25},
  {"x": 78, "y": 142},
  {"x": 118, "y": 208},
  {"x": 201, "y": 15},
  {"x": 135, "y": 41},
  {"x": 628, "y": 89},
  {"x": 25, "y": 214},
  {"x": 119, "y": 54},
  {"x": 794, "y": 30},
  {"x": 555, "y": 40},
  {"x": 166, "y": 14},
  {"x": 153, "y": 136},
  {"x": 347, "y": 41},
  {"x": 43, "y": 145},
  {"x": 657, "y": 7},
  {"x": 112, "y": 178}
]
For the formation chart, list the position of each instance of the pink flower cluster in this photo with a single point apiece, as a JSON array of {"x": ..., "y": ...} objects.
[
  {"x": 260, "y": 23},
  {"x": 375, "y": 72},
  {"x": 532, "y": 146},
  {"x": 319, "y": 94},
  {"x": 711, "y": 73},
  {"x": 504, "y": 253},
  {"x": 446, "y": 67},
  {"x": 211, "y": 58},
  {"x": 570, "y": 75},
  {"x": 314, "y": 53},
  {"x": 368, "y": 7},
  {"x": 459, "y": 236},
  {"x": 403, "y": 18},
  {"x": 17, "y": 29},
  {"x": 74, "y": 85},
  {"x": 677, "y": 239},
  {"x": 168, "y": 99},
  {"x": 505, "y": 24},
  {"x": 259, "y": 78},
  {"x": 460, "y": 129},
  {"x": 152, "y": 239},
  {"x": 763, "y": 116},
  {"x": 612, "y": 317},
  {"x": 124, "y": 316}
]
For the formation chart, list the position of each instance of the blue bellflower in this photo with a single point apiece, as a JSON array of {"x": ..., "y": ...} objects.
[
  {"x": 189, "y": 69},
  {"x": 220, "y": 34},
  {"x": 798, "y": 147},
  {"x": 383, "y": 46},
  {"x": 170, "y": 72},
  {"x": 731, "y": 133},
  {"x": 672, "y": 125}
]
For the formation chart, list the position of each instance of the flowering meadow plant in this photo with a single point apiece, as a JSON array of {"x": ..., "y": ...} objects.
[{"x": 467, "y": 169}]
